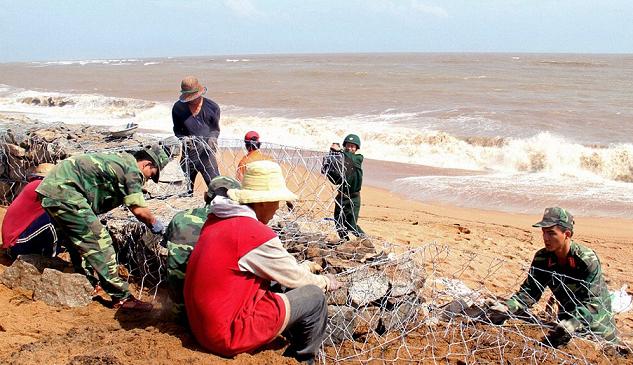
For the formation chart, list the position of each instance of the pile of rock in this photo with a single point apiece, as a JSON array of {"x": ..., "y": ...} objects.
[{"x": 22, "y": 149}]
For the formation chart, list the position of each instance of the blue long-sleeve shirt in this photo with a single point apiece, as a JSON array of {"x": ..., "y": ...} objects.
[{"x": 205, "y": 124}]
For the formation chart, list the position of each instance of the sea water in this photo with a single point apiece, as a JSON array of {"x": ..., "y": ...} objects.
[{"x": 531, "y": 130}]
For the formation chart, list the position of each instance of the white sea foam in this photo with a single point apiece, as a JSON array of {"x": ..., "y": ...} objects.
[{"x": 517, "y": 173}]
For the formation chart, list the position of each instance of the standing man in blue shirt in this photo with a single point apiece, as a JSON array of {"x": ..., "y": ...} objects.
[{"x": 197, "y": 122}]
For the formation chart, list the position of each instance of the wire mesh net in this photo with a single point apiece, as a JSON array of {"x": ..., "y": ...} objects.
[{"x": 398, "y": 304}]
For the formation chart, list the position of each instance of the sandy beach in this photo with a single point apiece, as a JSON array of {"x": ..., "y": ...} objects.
[{"x": 33, "y": 333}]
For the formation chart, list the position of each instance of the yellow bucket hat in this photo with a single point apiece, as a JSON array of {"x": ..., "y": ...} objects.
[{"x": 263, "y": 182}]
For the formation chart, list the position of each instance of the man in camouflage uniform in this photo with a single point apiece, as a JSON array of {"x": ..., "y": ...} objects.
[
  {"x": 573, "y": 274},
  {"x": 181, "y": 237},
  {"x": 344, "y": 167},
  {"x": 81, "y": 187}
]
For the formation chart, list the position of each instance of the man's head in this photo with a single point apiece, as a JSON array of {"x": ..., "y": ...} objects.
[
  {"x": 251, "y": 141},
  {"x": 558, "y": 228},
  {"x": 150, "y": 160},
  {"x": 191, "y": 90},
  {"x": 219, "y": 186},
  {"x": 351, "y": 143},
  {"x": 263, "y": 187}
]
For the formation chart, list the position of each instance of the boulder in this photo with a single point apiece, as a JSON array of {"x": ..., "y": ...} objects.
[
  {"x": 341, "y": 324},
  {"x": 366, "y": 286},
  {"x": 21, "y": 274},
  {"x": 63, "y": 290}
]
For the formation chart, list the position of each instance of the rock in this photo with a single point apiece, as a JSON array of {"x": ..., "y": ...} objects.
[
  {"x": 342, "y": 321},
  {"x": 398, "y": 318},
  {"x": 367, "y": 321},
  {"x": 14, "y": 150},
  {"x": 21, "y": 274},
  {"x": 404, "y": 277},
  {"x": 338, "y": 265},
  {"x": 59, "y": 289},
  {"x": 48, "y": 135},
  {"x": 337, "y": 297},
  {"x": 367, "y": 286}
]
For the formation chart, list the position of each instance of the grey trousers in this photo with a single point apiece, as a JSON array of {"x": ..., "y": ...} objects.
[{"x": 308, "y": 318}]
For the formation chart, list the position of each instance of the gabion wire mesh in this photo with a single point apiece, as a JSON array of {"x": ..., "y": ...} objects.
[{"x": 397, "y": 305}]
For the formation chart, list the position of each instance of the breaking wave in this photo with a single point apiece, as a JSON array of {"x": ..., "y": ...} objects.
[{"x": 392, "y": 136}]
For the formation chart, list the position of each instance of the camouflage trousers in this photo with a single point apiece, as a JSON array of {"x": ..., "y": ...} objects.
[
  {"x": 177, "y": 259},
  {"x": 346, "y": 212},
  {"x": 89, "y": 245}
]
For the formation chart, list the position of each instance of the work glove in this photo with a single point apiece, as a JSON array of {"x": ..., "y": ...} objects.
[
  {"x": 559, "y": 335},
  {"x": 497, "y": 314},
  {"x": 158, "y": 227},
  {"x": 312, "y": 266},
  {"x": 333, "y": 284}
]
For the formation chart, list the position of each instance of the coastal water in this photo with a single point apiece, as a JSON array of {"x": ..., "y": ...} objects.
[{"x": 531, "y": 130}]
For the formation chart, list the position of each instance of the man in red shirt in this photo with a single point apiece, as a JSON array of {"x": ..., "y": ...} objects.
[
  {"x": 27, "y": 228},
  {"x": 229, "y": 304}
]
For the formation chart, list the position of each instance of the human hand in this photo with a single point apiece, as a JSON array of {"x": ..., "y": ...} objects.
[
  {"x": 158, "y": 227},
  {"x": 498, "y": 313},
  {"x": 312, "y": 266},
  {"x": 333, "y": 284},
  {"x": 335, "y": 147}
]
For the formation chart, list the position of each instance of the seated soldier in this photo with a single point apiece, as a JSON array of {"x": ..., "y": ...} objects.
[
  {"x": 27, "y": 228},
  {"x": 253, "y": 153},
  {"x": 230, "y": 306},
  {"x": 181, "y": 237},
  {"x": 573, "y": 274}
]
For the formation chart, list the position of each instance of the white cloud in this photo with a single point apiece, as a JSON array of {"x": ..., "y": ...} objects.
[
  {"x": 434, "y": 10},
  {"x": 243, "y": 8}
]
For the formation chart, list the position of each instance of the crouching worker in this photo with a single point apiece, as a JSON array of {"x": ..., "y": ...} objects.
[
  {"x": 230, "y": 306},
  {"x": 181, "y": 237},
  {"x": 81, "y": 187},
  {"x": 573, "y": 274},
  {"x": 27, "y": 228}
]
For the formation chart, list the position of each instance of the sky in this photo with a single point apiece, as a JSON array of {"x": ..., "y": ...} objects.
[{"x": 88, "y": 29}]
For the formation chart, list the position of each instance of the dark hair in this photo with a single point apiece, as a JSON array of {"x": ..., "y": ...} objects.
[{"x": 252, "y": 144}]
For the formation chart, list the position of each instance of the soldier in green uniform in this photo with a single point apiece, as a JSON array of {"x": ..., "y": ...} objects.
[
  {"x": 344, "y": 167},
  {"x": 573, "y": 274},
  {"x": 81, "y": 187},
  {"x": 181, "y": 237}
]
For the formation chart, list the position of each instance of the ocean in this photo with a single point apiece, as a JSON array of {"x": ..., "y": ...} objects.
[{"x": 527, "y": 130}]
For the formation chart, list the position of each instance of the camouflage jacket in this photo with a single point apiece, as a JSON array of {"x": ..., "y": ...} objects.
[
  {"x": 181, "y": 236},
  {"x": 344, "y": 169},
  {"x": 578, "y": 286},
  {"x": 105, "y": 180}
]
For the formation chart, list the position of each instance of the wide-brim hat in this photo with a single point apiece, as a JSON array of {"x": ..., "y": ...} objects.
[
  {"x": 157, "y": 155},
  {"x": 191, "y": 89},
  {"x": 263, "y": 182}
]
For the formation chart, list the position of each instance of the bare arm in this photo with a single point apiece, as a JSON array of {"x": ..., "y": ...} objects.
[{"x": 143, "y": 214}]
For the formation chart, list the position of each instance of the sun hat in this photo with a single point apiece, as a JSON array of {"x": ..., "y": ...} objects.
[
  {"x": 263, "y": 182},
  {"x": 556, "y": 216},
  {"x": 157, "y": 155},
  {"x": 221, "y": 182},
  {"x": 191, "y": 89}
]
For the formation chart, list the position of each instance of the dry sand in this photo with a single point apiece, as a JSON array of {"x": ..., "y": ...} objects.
[{"x": 34, "y": 333}]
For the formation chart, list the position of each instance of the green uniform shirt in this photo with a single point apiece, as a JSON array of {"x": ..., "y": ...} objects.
[
  {"x": 181, "y": 236},
  {"x": 578, "y": 286},
  {"x": 105, "y": 180},
  {"x": 354, "y": 179}
]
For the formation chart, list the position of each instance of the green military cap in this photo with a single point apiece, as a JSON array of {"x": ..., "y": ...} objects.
[
  {"x": 556, "y": 216},
  {"x": 352, "y": 138},
  {"x": 157, "y": 155},
  {"x": 221, "y": 182}
]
